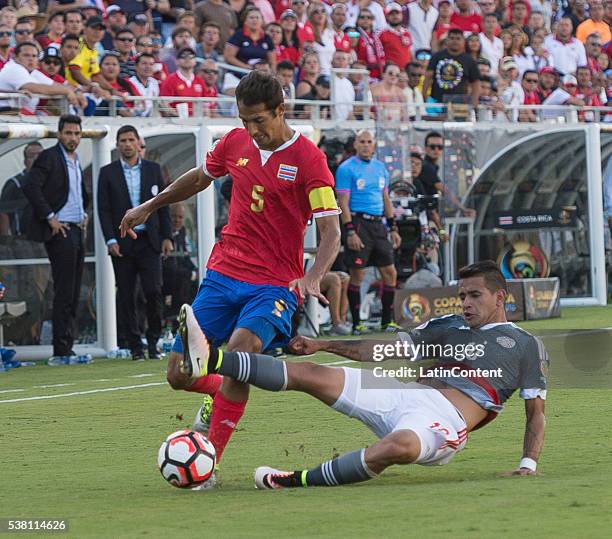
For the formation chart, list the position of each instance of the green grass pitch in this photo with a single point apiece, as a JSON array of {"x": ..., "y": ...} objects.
[{"x": 90, "y": 457}]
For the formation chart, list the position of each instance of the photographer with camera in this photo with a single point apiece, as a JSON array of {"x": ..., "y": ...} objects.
[{"x": 362, "y": 183}]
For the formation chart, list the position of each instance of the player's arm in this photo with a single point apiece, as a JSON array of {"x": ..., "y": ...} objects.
[
  {"x": 187, "y": 185},
  {"x": 366, "y": 350},
  {"x": 534, "y": 434},
  {"x": 329, "y": 245}
]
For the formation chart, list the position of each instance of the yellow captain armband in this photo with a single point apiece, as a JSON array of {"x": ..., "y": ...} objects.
[{"x": 323, "y": 202}]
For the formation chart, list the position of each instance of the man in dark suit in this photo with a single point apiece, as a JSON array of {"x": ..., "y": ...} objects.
[
  {"x": 124, "y": 184},
  {"x": 56, "y": 191}
]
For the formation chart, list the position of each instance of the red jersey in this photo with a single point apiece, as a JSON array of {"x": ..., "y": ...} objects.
[
  {"x": 397, "y": 45},
  {"x": 287, "y": 53},
  {"x": 177, "y": 85},
  {"x": 342, "y": 41},
  {"x": 273, "y": 196},
  {"x": 470, "y": 23},
  {"x": 210, "y": 91},
  {"x": 305, "y": 34}
]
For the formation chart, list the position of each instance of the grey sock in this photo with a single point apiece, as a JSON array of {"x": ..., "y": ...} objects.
[
  {"x": 261, "y": 371},
  {"x": 345, "y": 469}
]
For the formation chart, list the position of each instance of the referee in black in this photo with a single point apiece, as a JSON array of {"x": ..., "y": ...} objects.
[{"x": 362, "y": 183}]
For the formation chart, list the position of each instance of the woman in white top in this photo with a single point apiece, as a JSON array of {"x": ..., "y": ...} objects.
[
  {"x": 323, "y": 44},
  {"x": 520, "y": 40},
  {"x": 539, "y": 56}
]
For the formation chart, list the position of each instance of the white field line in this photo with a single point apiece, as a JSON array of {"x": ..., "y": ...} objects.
[
  {"x": 54, "y": 385},
  {"x": 77, "y": 393},
  {"x": 11, "y": 390},
  {"x": 108, "y": 389}
]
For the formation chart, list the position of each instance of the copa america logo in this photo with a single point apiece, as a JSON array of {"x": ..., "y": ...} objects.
[
  {"x": 522, "y": 260},
  {"x": 416, "y": 308}
]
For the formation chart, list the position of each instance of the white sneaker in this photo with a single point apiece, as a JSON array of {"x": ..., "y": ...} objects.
[
  {"x": 264, "y": 478},
  {"x": 340, "y": 330},
  {"x": 196, "y": 348}
]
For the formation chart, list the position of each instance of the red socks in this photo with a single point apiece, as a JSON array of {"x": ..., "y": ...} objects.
[
  {"x": 225, "y": 417},
  {"x": 206, "y": 384}
]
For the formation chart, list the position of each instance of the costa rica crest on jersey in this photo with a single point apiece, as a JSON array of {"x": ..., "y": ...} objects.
[{"x": 287, "y": 172}]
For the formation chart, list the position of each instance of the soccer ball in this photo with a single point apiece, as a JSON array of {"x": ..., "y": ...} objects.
[{"x": 186, "y": 459}]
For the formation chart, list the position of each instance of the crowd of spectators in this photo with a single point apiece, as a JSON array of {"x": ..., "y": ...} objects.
[{"x": 492, "y": 53}]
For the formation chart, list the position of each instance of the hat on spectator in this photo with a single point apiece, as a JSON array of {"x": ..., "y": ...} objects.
[
  {"x": 393, "y": 6},
  {"x": 139, "y": 18},
  {"x": 50, "y": 52},
  {"x": 185, "y": 50},
  {"x": 288, "y": 13},
  {"x": 508, "y": 63},
  {"x": 549, "y": 70},
  {"x": 114, "y": 8},
  {"x": 338, "y": 5},
  {"x": 445, "y": 1},
  {"x": 323, "y": 80},
  {"x": 94, "y": 21},
  {"x": 569, "y": 80}
]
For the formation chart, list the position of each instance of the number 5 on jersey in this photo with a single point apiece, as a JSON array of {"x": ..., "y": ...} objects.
[{"x": 258, "y": 199}]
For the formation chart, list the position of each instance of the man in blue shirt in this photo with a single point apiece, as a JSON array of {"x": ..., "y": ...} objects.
[
  {"x": 362, "y": 186},
  {"x": 125, "y": 184}
]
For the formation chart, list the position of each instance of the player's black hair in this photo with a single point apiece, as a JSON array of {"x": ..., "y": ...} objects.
[
  {"x": 68, "y": 119},
  {"x": 433, "y": 134},
  {"x": 127, "y": 129},
  {"x": 259, "y": 87},
  {"x": 493, "y": 277}
]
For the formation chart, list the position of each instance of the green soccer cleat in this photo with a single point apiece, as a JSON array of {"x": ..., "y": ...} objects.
[
  {"x": 202, "y": 419},
  {"x": 391, "y": 327},
  {"x": 196, "y": 348},
  {"x": 361, "y": 329}
]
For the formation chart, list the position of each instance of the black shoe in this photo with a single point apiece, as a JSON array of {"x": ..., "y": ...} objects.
[
  {"x": 138, "y": 356},
  {"x": 154, "y": 354}
]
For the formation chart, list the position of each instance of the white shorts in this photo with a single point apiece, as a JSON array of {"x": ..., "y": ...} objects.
[{"x": 398, "y": 406}]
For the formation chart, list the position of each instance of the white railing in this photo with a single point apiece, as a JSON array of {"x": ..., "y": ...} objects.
[{"x": 363, "y": 110}]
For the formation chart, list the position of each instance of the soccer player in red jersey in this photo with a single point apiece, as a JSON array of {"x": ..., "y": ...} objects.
[{"x": 255, "y": 275}]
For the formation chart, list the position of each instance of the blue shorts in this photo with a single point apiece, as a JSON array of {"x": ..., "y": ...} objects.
[{"x": 223, "y": 304}]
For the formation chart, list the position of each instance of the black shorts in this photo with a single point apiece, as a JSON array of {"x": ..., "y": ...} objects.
[{"x": 377, "y": 251}]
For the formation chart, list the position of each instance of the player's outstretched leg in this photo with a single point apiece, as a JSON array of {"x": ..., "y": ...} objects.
[{"x": 400, "y": 447}]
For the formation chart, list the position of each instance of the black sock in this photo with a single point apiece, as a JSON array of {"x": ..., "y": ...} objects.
[
  {"x": 388, "y": 296},
  {"x": 354, "y": 297},
  {"x": 343, "y": 470}
]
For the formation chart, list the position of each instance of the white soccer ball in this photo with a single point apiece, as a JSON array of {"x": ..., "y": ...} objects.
[{"x": 186, "y": 459}]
